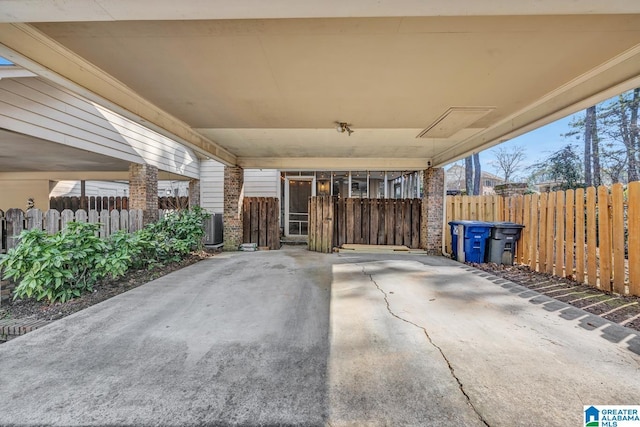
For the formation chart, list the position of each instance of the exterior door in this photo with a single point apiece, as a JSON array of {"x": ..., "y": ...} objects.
[{"x": 296, "y": 197}]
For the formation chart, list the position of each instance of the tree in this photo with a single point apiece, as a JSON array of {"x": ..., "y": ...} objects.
[
  {"x": 477, "y": 173},
  {"x": 588, "y": 177},
  {"x": 562, "y": 167},
  {"x": 468, "y": 174},
  {"x": 592, "y": 145},
  {"x": 620, "y": 121},
  {"x": 507, "y": 161}
]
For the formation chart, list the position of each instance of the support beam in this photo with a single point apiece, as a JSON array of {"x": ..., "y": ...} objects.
[
  {"x": 143, "y": 191},
  {"x": 232, "y": 216},
  {"x": 431, "y": 232}
]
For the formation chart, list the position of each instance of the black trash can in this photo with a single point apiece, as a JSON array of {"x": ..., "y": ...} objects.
[{"x": 502, "y": 243}]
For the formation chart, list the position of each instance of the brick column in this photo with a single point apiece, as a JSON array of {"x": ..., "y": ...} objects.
[
  {"x": 432, "y": 211},
  {"x": 194, "y": 193},
  {"x": 143, "y": 191},
  {"x": 232, "y": 216}
]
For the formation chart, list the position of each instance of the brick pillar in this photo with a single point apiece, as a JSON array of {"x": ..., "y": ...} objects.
[
  {"x": 143, "y": 191},
  {"x": 194, "y": 193},
  {"x": 432, "y": 211},
  {"x": 232, "y": 216}
]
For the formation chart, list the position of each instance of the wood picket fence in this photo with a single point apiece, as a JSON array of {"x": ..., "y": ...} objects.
[
  {"x": 14, "y": 221},
  {"x": 590, "y": 235}
]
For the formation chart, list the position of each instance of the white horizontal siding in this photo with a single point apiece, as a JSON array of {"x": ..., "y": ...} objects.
[
  {"x": 257, "y": 183},
  {"x": 91, "y": 188},
  {"x": 212, "y": 186},
  {"x": 65, "y": 188},
  {"x": 113, "y": 188},
  {"x": 261, "y": 182},
  {"x": 41, "y": 109}
]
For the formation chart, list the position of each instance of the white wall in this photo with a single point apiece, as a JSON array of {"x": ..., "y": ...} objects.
[
  {"x": 35, "y": 107},
  {"x": 212, "y": 186},
  {"x": 257, "y": 183},
  {"x": 261, "y": 182}
]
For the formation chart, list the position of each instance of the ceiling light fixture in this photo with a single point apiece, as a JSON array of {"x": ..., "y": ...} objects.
[{"x": 341, "y": 127}]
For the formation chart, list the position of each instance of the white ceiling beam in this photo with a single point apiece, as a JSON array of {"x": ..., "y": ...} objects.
[
  {"x": 81, "y": 175},
  {"x": 333, "y": 163},
  {"x": 114, "y": 10}
]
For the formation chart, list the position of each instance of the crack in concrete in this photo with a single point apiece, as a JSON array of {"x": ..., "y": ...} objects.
[{"x": 426, "y": 333}]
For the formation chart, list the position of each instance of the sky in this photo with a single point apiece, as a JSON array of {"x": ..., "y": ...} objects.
[{"x": 538, "y": 144}]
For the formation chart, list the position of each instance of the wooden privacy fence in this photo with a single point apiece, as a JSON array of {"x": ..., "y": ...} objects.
[
  {"x": 99, "y": 204},
  {"x": 14, "y": 221},
  {"x": 591, "y": 235},
  {"x": 334, "y": 221},
  {"x": 260, "y": 221}
]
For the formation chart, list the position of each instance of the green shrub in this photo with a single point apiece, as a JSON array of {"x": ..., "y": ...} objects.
[
  {"x": 174, "y": 235},
  {"x": 62, "y": 266},
  {"x": 57, "y": 267}
]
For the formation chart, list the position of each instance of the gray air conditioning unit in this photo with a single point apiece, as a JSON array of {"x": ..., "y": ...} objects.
[{"x": 213, "y": 230}]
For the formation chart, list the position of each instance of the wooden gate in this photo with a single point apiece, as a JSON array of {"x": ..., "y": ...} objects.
[
  {"x": 321, "y": 224},
  {"x": 260, "y": 221},
  {"x": 334, "y": 222}
]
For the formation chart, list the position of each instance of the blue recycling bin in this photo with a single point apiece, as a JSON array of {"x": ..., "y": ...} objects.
[{"x": 475, "y": 235}]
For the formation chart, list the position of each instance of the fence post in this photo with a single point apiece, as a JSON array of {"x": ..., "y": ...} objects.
[
  {"x": 34, "y": 219},
  {"x": 15, "y": 224},
  {"x": 604, "y": 234},
  {"x": 105, "y": 220},
  {"x": 114, "y": 223},
  {"x": 618, "y": 240},
  {"x": 52, "y": 221},
  {"x": 66, "y": 217},
  {"x": 570, "y": 228},
  {"x": 633, "y": 213},
  {"x": 533, "y": 232},
  {"x": 81, "y": 215},
  {"x": 559, "y": 234},
  {"x": 592, "y": 266}
]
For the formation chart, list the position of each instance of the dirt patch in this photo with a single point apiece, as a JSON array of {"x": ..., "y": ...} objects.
[
  {"x": 31, "y": 310},
  {"x": 624, "y": 310}
]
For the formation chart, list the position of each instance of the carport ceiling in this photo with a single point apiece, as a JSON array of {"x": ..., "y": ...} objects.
[
  {"x": 270, "y": 90},
  {"x": 23, "y": 153}
]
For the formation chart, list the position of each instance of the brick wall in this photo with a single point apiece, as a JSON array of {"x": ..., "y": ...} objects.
[
  {"x": 143, "y": 191},
  {"x": 232, "y": 215},
  {"x": 433, "y": 210},
  {"x": 6, "y": 287},
  {"x": 194, "y": 192},
  {"x": 511, "y": 189}
]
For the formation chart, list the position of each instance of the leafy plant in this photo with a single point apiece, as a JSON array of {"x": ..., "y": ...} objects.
[
  {"x": 174, "y": 235},
  {"x": 62, "y": 266},
  {"x": 57, "y": 267}
]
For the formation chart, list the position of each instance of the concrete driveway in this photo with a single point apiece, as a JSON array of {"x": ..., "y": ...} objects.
[{"x": 292, "y": 337}]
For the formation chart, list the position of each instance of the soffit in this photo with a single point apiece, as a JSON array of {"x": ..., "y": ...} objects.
[
  {"x": 275, "y": 87},
  {"x": 23, "y": 153}
]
